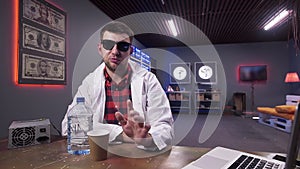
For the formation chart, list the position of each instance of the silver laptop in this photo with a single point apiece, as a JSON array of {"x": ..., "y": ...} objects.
[{"x": 225, "y": 158}]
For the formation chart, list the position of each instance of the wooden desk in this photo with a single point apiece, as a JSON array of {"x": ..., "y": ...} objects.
[{"x": 54, "y": 155}]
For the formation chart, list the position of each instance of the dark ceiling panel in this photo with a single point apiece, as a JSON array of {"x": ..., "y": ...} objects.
[{"x": 222, "y": 21}]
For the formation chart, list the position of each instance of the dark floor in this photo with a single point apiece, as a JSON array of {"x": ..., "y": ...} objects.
[{"x": 233, "y": 131}]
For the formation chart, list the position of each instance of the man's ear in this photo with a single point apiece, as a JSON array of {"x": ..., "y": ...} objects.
[
  {"x": 131, "y": 49},
  {"x": 99, "y": 49}
]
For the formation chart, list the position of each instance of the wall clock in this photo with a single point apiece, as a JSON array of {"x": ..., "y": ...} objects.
[
  {"x": 205, "y": 72},
  {"x": 180, "y": 73}
]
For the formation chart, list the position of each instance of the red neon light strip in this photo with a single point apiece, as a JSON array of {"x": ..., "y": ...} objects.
[{"x": 15, "y": 40}]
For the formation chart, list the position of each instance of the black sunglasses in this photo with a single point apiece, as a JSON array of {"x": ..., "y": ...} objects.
[{"x": 122, "y": 46}]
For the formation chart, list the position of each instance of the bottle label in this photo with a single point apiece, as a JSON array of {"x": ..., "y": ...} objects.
[{"x": 78, "y": 128}]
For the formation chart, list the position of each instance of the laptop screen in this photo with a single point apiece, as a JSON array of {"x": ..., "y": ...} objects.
[{"x": 294, "y": 139}]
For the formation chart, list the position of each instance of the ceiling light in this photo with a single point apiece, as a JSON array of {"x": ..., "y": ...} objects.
[
  {"x": 278, "y": 19},
  {"x": 172, "y": 27}
]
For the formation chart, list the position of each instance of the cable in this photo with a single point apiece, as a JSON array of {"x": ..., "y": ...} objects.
[{"x": 55, "y": 128}]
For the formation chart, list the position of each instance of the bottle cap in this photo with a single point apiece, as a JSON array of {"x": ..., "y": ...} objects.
[{"x": 80, "y": 99}]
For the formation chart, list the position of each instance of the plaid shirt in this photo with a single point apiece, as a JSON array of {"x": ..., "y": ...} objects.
[{"x": 116, "y": 96}]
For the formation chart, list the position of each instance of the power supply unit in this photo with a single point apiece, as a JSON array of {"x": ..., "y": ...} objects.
[{"x": 27, "y": 133}]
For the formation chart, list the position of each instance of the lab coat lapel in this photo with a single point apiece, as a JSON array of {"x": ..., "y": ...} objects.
[{"x": 138, "y": 93}]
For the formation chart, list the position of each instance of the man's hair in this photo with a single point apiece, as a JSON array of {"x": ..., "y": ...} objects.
[{"x": 117, "y": 27}]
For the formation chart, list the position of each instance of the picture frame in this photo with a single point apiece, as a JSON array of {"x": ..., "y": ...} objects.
[
  {"x": 180, "y": 73},
  {"x": 205, "y": 72},
  {"x": 42, "y": 43}
]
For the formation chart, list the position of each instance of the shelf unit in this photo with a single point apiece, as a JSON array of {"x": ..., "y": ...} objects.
[
  {"x": 208, "y": 101},
  {"x": 180, "y": 101}
]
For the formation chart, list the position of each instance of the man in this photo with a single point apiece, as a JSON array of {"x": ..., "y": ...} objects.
[
  {"x": 125, "y": 97},
  {"x": 44, "y": 41},
  {"x": 44, "y": 14},
  {"x": 43, "y": 68}
]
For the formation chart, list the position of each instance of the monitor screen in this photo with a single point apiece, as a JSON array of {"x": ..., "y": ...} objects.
[{"x": 253, "y": 73}]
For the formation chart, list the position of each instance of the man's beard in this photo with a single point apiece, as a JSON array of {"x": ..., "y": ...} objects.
[
  {"x": 118, "y": 70},
  {"x": 110, "y": 67}
]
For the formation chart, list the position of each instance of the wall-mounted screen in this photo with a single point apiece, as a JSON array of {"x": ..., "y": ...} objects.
[
  {"x": 253, "y": 73},
  {"x": 141, "y": 58}
]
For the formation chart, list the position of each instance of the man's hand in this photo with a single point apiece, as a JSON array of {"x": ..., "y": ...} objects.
[{"x": 134, "y": 126}]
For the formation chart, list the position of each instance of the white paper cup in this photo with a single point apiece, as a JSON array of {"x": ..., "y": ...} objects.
[{"x": 98, "y": 141}]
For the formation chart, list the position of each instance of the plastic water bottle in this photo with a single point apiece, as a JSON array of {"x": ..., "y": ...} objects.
[{"x": 80, "y": 121}]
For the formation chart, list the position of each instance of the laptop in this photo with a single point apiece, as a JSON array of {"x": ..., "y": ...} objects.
[{"x": 226, "y": 158}]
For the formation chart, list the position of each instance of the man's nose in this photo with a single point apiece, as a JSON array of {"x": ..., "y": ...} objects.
[{"x": 115, "y": 50}]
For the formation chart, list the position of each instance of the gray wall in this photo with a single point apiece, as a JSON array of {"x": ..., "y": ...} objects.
[
  {"x": 275, "y": 55},
  {"x": 23, "y": 103},
  {"x": 278, "y": 56},
  {"x": 83, "y": 20}
]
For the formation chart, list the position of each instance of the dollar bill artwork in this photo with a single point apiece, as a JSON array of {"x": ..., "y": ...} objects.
[
  {"x": 40, "y": 68},
  {"x": 42, "y": 14},
  {"x": 34, "y": 38}
]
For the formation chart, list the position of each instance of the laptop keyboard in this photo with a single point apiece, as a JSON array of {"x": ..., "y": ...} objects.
[{"x": 248, "y": 162}]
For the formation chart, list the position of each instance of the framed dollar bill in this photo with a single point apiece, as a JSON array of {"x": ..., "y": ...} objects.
[
  {"x": 37, "y": 39},
  {"x": 42, "y": 43},
  {"x": 44, "y": 13},
  {"x": 41, "y": 68}
]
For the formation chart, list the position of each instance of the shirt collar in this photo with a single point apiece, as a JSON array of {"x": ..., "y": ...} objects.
[{"x": 126, "y": 78}]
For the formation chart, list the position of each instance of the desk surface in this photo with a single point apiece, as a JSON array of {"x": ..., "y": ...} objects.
[{"x": 54, "y": 155}]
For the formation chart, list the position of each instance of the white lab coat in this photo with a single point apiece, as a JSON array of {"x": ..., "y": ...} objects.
[{"x": 148, "y": 98}]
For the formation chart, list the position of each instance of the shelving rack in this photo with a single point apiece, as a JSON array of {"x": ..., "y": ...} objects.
[
  {"x": 208, "y": 101},
  {"x": 180, "y": 101}
]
